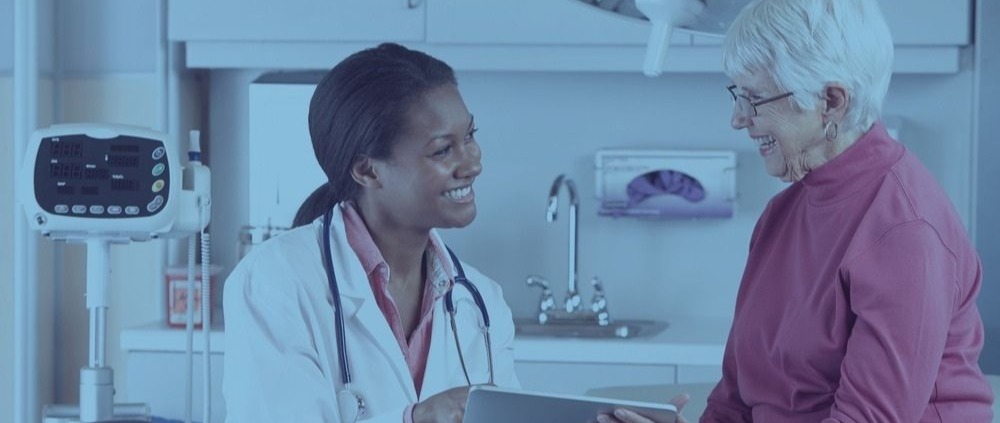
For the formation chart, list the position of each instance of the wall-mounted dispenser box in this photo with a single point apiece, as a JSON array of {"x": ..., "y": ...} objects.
[{"x": 666, "y": 183}]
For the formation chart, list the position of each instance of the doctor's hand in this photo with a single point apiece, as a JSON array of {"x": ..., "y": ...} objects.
[
  {"x": 447, "y": 406},
  {"x": 622, "y": 415}
]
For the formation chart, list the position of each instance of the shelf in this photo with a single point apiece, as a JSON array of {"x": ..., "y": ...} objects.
[
  {"x": 158, "y": 337},
  {"x": 506, "y": 58}
]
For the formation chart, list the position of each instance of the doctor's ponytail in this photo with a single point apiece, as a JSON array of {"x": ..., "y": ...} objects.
[
  {"x": 359, "y": 109},
  {"x": 315, "y": 205}
]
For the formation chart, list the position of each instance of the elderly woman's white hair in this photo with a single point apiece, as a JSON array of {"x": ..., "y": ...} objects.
[{"x": 805, "y": 44}]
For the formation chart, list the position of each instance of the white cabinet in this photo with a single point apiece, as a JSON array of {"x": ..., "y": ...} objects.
[
  {"x": 917, "y": 23},
  {"x": 296, "y": 20},
  {"x": 533, "y": 22},
  {"x": 699, "y": 374},
  {"x": 156, "y": 371},
  {"x": 491, "y": 35},
  {"x": 158, "y": 379},
  {"x": 928, "y": 22}
]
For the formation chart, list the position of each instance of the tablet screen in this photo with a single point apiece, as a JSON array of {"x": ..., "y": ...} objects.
[{"x": 488, "y": 404}]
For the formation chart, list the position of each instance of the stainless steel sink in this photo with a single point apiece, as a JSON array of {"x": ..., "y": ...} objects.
[{"x": 619, "y": 328}]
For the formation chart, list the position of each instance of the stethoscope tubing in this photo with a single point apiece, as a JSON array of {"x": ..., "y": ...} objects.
[
  {"x": 460, "y": 279},
  {"x": 338, "y": 314}
]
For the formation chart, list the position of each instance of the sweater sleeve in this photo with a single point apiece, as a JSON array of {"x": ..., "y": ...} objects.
[
  {"x": 724, "y": 403},
  {"x": 902, "y": 293}
]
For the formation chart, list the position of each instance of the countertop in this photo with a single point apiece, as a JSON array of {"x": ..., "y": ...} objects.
[{"x": 687, "y": 341}]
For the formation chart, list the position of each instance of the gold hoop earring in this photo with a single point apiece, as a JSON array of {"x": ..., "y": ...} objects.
[{"x": 831, "y": 130}]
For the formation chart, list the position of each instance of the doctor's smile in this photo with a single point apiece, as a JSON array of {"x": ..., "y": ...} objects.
[{"x": 461, "y": 195}]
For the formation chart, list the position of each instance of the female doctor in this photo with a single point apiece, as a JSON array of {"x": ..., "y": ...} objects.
[{"x": 397, "y": 144}]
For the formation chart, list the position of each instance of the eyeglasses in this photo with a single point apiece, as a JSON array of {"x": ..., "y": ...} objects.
[{"x": 748, "y": 106}]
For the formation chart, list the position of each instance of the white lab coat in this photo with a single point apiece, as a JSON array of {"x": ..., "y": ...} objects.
[{"x": 281, "y": 351}]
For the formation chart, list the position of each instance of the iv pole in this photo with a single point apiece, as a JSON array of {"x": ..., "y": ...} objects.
[{"x": 25, "y": 244}]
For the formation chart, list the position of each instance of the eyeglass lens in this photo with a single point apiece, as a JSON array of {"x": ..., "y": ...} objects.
[{"x": 742, "y": 104}]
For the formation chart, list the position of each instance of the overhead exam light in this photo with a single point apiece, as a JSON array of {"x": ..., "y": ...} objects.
[{"x": 701, "y": 17}]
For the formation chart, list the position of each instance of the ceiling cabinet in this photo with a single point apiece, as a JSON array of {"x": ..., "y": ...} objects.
[
  {"x": 929, "y": 22},
  {"x": 917, "y": 23},
  {"x": 296, "y": 20},
  {"x": 491, "y": 35}
]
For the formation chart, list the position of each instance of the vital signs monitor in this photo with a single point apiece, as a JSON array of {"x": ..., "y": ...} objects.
[{"x": 104, "y": 179}]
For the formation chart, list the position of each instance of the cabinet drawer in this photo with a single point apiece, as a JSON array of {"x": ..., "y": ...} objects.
[
  {"x": 699, "y": 374},
  {"x": 578, "y": 378}
]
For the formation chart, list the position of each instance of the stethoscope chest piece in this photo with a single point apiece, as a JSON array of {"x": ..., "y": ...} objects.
[{"x": 352, "y": 406}]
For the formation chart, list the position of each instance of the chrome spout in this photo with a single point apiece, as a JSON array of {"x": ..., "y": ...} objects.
[{"x": 572, "y": 303}]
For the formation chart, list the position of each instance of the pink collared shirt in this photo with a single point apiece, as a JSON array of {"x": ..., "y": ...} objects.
[{"x": 417, "y": 347}]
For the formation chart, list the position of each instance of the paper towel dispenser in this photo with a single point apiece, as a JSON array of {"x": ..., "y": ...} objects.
[{"x": 666, "y": 183}]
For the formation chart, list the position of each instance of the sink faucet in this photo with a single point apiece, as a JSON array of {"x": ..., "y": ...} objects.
[
  {"x": 572, "y": 302},
  {"x": 572, "y": 311}
]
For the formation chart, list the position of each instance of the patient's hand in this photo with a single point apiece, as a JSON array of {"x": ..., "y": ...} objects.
[
  {"x": 447, "y": 406},
  {"x": 622, "y": 415}
]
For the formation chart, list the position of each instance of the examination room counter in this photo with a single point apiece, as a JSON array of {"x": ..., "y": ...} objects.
[{"x": 689, "y": 351}]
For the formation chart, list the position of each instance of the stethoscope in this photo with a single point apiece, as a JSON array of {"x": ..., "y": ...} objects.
[{"x": 350, "y": 402}]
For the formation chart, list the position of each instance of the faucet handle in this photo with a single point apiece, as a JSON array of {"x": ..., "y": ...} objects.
[
  {"x": 599, "y": 303},
  {"x": 598, "y": 286},
  {"x": 547, "y": 302},
  {"x": 535, "y": 280}
]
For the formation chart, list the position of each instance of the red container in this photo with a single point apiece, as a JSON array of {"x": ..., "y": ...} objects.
[{"x": 176, "y": 278}]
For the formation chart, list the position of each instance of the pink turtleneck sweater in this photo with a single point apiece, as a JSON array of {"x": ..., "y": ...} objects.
[{"x": 858, "y": 301}]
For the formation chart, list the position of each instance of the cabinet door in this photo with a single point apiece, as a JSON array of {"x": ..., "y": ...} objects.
[
  {"x": 928, "y": 22},
  {"x": 157, "y": 379},
  {"x": 296, "y": 20},
  {"x": 534, "y": 22},
  {"x": 917, "y": 23},
  {"x": 699, "y": 374}
]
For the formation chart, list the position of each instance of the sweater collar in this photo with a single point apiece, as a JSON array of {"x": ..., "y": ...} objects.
[{"x": 867, "y": 159}]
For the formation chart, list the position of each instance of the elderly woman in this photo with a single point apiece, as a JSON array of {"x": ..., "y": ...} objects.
[{"x": 858, "y": 300}]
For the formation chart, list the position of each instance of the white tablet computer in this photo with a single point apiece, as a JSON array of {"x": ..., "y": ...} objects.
[{"x": 490, "y": 404}]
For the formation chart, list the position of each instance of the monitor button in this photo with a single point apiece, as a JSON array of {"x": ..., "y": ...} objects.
[{"x": 154, "y": 205}]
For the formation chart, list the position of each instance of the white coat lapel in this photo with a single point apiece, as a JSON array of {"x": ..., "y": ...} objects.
[
  {"x": 443, "y": 370},
  {"x": 361, "y": 310},
  {"x": 443, "y": 361}
]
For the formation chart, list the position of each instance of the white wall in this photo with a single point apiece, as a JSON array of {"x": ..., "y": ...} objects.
[
  {"x": 988, "y": 204},
  {"x": 534, "y": 126}
]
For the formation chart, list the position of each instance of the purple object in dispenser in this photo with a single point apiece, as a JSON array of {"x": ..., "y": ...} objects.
[{"x": 664, "y": 182}]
